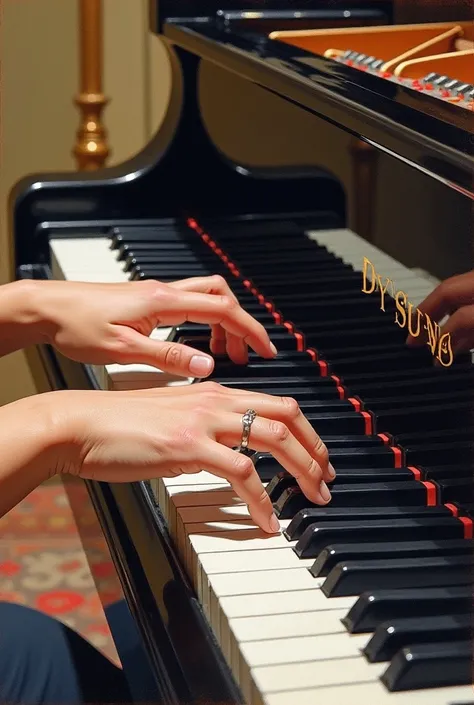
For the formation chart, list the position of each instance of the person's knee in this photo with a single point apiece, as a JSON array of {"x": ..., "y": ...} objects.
[{"x": 35, "y": 661}]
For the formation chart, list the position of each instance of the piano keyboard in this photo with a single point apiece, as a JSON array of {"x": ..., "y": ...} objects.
[{"x": 364, "y": 601}]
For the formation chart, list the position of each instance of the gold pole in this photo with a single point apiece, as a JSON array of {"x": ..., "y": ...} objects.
[{"x": 91, "y": 148}]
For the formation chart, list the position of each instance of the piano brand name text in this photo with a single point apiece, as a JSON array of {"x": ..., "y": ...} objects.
[{"x": 407, "y": 316}]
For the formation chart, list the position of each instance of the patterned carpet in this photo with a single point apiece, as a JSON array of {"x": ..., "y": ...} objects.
[{"x": 43, "y": 565}]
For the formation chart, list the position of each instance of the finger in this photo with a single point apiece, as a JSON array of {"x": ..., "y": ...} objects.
[
  {"x": 218, "y": 340},
  {"x": 214, "y": 284},
  {"x": 445, "y": 299},
  {"x": 276, "y": 438},
  {"x": 458, "y": 331},
  {"x": 173, "y": 358},
  {"x": 287, "y": 411},
  {"x": 239, "y": 470},
  {"x": 237, "y": 349},
  {"x": 212, "y": 309}
]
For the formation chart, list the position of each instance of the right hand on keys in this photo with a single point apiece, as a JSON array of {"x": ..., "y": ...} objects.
[{"x": 145, "y": 434}]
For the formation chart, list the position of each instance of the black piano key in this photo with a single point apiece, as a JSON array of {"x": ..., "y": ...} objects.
[
  {"x": 239, "y": 230},
  {"x": 430, "y": 666},
  {"x": 399, "y": 633},
  {"x": 446, "y": 472},
  {"x": 456, "y": 452},
  {"x": 393, "y": 376},
  {"x": 340, "y": 553},
  {"x": 358, "y": 494},
  {"x": 307, "y": 517},
  {"x": 424, "y": 417},
  {"x": 374, "y": 607},
  {"x": 318, "y": 536},
  {"x": 416, "y": 398},
  {"x": 306, "y": 386},
  {"x": 170, "y": 273},
  {"x": 355, "y": 453},
  {"x": 284, "y": 352},
  {"x": 346, "y": 279},
  {"x": 125, "y": 248},
  {"x": 354, "y": 577},
  {"x": 188, "y": 330},
  {"x": 456, "y": 490},
  {"x": 449, "y": 434},
  {"x": 158, "y": 233},
  {"x": 268, "y": 368},
  {"x": 279, "y": 483},
  {"x": 422, "y": 384}
]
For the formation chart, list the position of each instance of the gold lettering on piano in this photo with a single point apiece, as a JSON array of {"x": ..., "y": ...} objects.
[{"x": 407, "y": 316}]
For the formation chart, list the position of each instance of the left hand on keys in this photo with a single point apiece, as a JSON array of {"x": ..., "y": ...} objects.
[{"x": 105, "y": 323}]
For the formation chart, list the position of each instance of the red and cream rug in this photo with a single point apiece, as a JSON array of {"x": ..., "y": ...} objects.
[{"x": 43, "y": 565}]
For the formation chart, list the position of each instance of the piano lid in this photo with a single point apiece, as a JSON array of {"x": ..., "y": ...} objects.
[
  {"x": 431, "y": 135},
  {"x": 172, "y": 11}
]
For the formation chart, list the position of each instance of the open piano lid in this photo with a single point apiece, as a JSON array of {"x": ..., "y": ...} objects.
[{"x": 431, "y": 135}]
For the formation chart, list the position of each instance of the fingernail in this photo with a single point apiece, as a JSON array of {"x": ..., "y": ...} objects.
[
  {"x": 274, "y": 524},
  {"x": 200, "y": 366},
  {"x": 324, "y": 492},
  {"x": 273, "y": 349},
  {"x": 332, "y": 472}
]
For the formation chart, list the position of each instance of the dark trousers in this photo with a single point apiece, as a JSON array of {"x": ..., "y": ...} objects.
[{"x": 43, "y": 661}]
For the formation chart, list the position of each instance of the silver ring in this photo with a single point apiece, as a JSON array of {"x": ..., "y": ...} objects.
[{"x": 247, "y": 420}]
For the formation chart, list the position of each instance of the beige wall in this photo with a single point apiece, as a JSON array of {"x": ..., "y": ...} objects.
[{"x": 39, "y": 77}]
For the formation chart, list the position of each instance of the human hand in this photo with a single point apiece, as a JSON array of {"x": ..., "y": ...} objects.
[
  {"x": 105, "y": 323},
  {"x": 453, "y": 297},
  {"x": 145, "y": 434}
]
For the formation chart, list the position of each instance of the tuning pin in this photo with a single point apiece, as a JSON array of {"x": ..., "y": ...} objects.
[
  {"x": 431, "y": 77},
  {"x": 463, "y": 89},
  {"x": 440, "y": 81}
]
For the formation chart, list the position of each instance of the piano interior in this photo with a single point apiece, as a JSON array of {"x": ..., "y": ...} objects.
[
  {"x": 367, "y": 600},
  {"x": 434, "y": 59}
]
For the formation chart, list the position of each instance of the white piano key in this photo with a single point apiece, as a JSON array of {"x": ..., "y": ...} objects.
[
  {"x": 315, "y": 674},
  {"x": 282, "y": 626},
  {"x": 244, "y": 561},
  {"x": 298, "y": 649},
  {"x": 277, "y": 603},
  {"x": 255, "y": 582},
  {"x": 187, "y": 495},
  {"x": 369, "y": 694},
  {"x": 90, "y": 259}
]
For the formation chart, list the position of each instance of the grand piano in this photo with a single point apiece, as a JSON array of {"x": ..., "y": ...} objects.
[{"x": 369, "y": 599}]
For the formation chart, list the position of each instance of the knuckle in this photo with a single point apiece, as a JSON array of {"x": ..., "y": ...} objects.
[
  {"x": 229, "y": 304},
  {"x": 243, "y": 466},
  {"x": 218, "y": 282},
  {"x": 263, "y": 498},
  {"x": 313, "y": 468},
  {"x": 173, "y": 356},
  {"x": 321, "y": 451},
  {"x": 291, "y": 406},
  {"x": 213, "y": 387},
  {"x": 279, "y": 431},
  {"x": 183, "y": 440}
]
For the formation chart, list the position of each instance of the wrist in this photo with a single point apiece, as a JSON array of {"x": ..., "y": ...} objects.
[
  {"x": 33, "y": 445},
  {"x": 23, "y": 305}
]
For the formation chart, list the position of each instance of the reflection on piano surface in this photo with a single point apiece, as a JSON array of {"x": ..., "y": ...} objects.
[{"x": 367, "y": 600}]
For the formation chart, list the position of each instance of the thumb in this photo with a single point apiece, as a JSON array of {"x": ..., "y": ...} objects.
[{"x": 180, "y": 360}]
